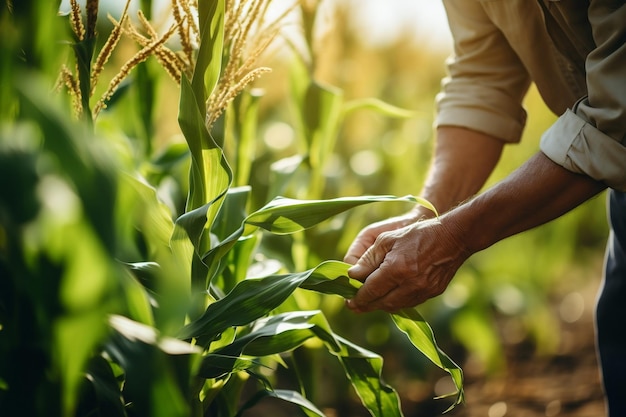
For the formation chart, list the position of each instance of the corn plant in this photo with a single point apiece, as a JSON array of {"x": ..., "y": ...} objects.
[{"x": 113, "y": 305}]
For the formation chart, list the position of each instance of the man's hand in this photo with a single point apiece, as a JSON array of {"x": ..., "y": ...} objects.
[
  {"x": 366, "y": 237},
  {"x": 407, "y": 266},
  {"x": 389, "y": 250}
]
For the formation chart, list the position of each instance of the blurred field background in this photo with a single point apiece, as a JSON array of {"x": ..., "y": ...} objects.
[{"x": 530, "y": 297}]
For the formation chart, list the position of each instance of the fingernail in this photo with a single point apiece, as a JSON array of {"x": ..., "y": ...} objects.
[
  {"x": 354, "y": 269},
  {"x": 351, "y": 259},
  {"x": 352, "y": 306}
]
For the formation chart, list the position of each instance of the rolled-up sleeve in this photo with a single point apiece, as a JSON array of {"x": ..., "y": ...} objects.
[
  {"x": 591, "y": 137},
  {"x": 487, "y": 81}
]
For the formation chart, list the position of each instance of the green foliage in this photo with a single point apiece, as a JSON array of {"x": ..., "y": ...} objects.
[
  {"x": 59, "y": 278},
  {"x": 113, "y": 304}
]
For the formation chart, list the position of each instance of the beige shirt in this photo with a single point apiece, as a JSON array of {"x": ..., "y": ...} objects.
[{"x": 575, "y": 53}]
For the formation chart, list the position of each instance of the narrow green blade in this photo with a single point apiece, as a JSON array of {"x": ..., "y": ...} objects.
[{"x": 286, "y": 215}]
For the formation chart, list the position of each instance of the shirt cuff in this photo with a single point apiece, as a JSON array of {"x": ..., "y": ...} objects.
[
  {"x": 579, "y": 147},
  {"x": 503, "y": 128}
]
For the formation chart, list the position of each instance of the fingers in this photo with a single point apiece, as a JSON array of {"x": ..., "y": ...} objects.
[
  {"x": 369, "y": 295},
  {"x": 405, "y": 267},
  {"x": 368, "y": 262},
  {"x": 355, "y": 251},
  {"x": 389, "y": 290},
  {"x": 382, "y": 293},
  {"x": 367, "y": 236},
  {"x": 361, "y": 243}
]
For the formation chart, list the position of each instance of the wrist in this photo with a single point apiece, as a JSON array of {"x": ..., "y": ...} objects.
[
  {"x": 467, "y": 227},
  {"x": 420, "y": 212}
]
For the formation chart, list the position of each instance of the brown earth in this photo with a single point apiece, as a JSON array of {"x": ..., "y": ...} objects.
[{"x": 564, "y": 384}]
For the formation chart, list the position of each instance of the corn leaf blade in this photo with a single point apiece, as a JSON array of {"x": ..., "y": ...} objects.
[
  {"x": 293, "y": 397},
  {"x": 209, "y": 63},
  {"x": 250, "y": 300},
  {"x": 364, "y": 369},
  {"x": 378, "y": 106},
  {"x": 286, "y": 215},
  {"x": 420, "y": 334},
  {"x": 332, "y": 278}
]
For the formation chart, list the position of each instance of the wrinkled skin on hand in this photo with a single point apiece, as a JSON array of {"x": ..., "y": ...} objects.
[
  {"x": 368, "y": 235},
  {"x": 406, "y": 266}
]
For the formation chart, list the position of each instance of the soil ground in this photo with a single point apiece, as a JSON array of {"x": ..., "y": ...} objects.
[{"x": 566, "y": 384}]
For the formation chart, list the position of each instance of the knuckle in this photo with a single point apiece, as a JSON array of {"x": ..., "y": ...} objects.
[
  {"x": 372, "y": 292},
  {"x": 385, "y": 239},
  {"x": 389, "y": 306}
]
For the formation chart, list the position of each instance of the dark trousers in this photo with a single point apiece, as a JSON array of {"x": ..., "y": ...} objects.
[{"x": 611, "y": 310}]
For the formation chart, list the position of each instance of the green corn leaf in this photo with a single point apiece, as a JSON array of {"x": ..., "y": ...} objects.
[
  {"x": 136, "y": 297},
  {"x": 210, "y": 174},
  {"x": 101, "y": 390},
  {"x": 146, "y": 85},
  {"x": 166, "y": 278},
  {"x": 209, "y": 63},
  {"x": 147, "y": 213},
  {"x": 264, "y": 342},
  {"x": 286, "y": 215},
  {"x": 232, "y": 213},
  {"x": 243, "y": 264},
  {"x": 226, "y": 231},
  {"x": 283, "y": 172},
  {"x": 191, "y": 226},
  {"x": 250, "y": 300},
  {"x": 364, "y": 369},
  {"x": 158, "y": 370},
  {"x": 86, "y": 162},
  {"x": 288, "y": 331},
  {"x": 209, "y": 180},
  {"x": 322, "y": 110},
  {"x": 342, "y": 285},
  {"x": 244, "y": 128},
  {"x": 173, "y": 154},
  {"x": 313, "y": 321},
  {"x": 332, "y": 278},
  {"x": 67, "y": 279},
  {"x": 413, "y": 325},
  {"x": 217, "y": 365},
  {"x": 272, "y": 335},
  {"x": 378, "y": 106},
  {"x": 235, "y": 267},
  {"x": 292, "y": 397}
]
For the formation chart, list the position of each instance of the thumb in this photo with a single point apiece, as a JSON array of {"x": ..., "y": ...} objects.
[
  {"x": 358, "y": 247},
  {"x": 368, "y": 263}
]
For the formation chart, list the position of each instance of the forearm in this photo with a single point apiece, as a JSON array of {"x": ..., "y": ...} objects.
[
  {"x": 462, "y": 162},
  {"x": 536, "y": 193}
]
